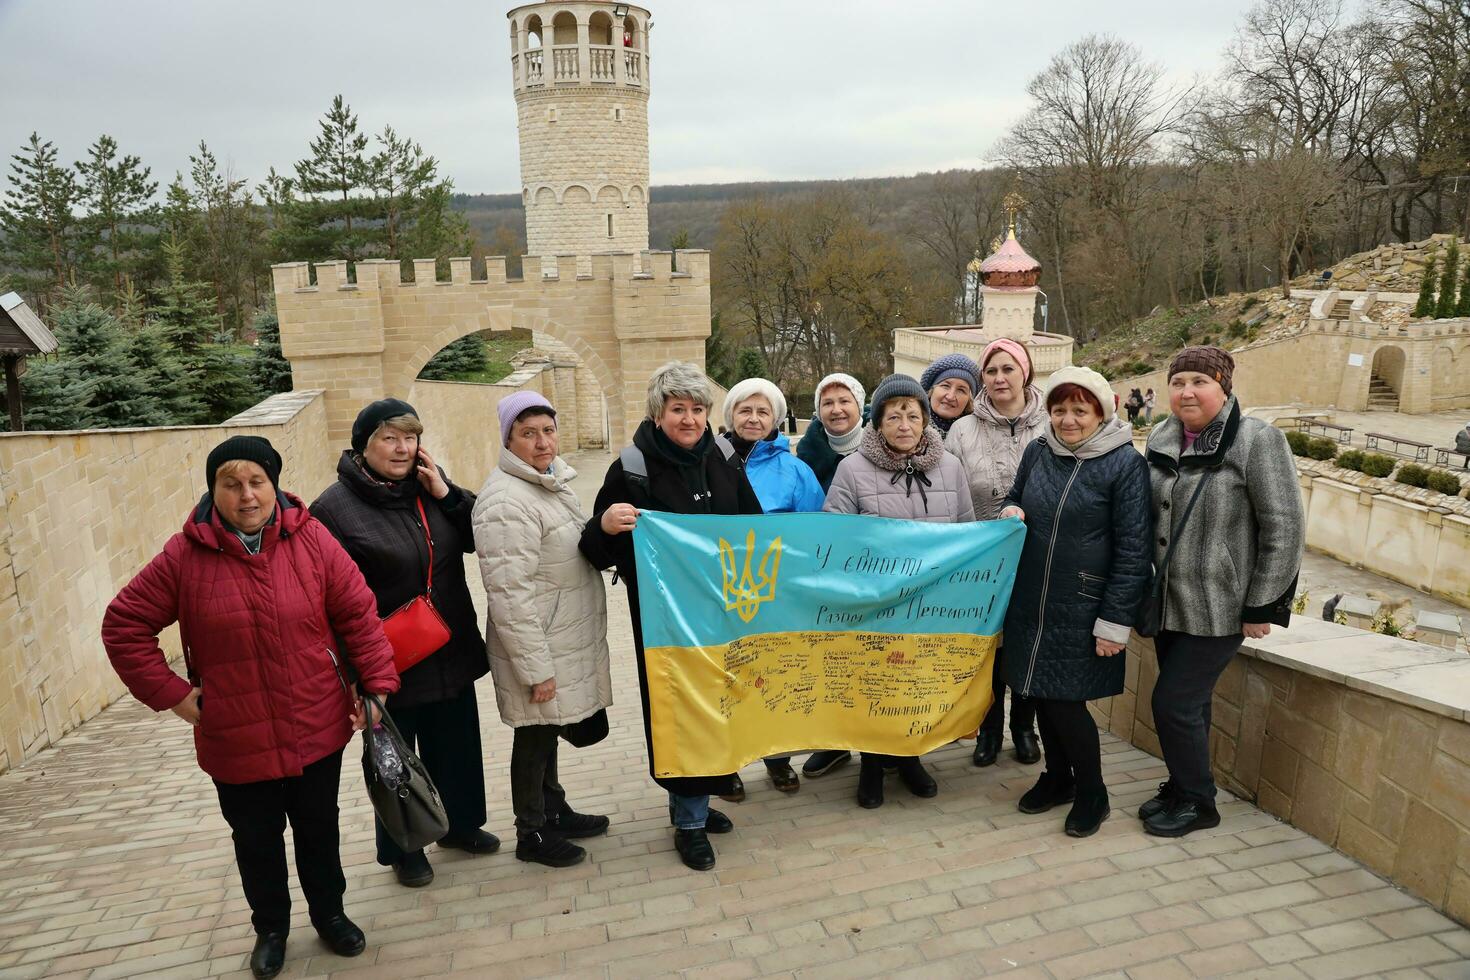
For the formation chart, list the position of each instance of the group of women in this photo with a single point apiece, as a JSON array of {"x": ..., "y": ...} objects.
[{"x": 275, "y": 600}]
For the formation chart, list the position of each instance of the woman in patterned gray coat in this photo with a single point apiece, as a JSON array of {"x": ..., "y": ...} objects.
[
  {"x": 1083, "y": 492},
  {"x": 1233, "y": 573}
]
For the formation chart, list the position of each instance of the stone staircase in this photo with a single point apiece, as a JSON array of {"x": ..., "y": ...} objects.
[{"x": 1381, "y": 396}]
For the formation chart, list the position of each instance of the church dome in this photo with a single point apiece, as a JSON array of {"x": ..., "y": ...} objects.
[{"x": 1010, "y": 266}]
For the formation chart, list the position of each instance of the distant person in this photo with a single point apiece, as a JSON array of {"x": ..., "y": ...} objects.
[
  {"x": 1462, "y": 439},
  {"x": 1149, "y": 401},
  {"x": 950, "y": 384},
  {"x": 1233, "y": 574},
  {"x": 267, "y": 602},
  {"x": 1133, "y": 405}
]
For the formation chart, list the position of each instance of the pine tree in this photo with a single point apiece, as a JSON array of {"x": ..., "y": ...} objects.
[
  {"x": 183, "y": 314},
  {"x": 1462, "y": 305},
  {"x": 38, "y": 223},
  {"x": 334, "y": 179},
  {"x": 1425, "y": 305},
  {"x": 1444, "y": 306},
  {"x": 270, "y": 372},
  {"x": 116, "y": 193},
  {"x": 216, "y": 375},
  {"x": 465, "y": 356},
  {"x": 400, "y": 174}
]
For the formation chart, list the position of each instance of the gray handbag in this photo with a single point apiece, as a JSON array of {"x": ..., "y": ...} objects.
[{"x": 404, "y": 798}]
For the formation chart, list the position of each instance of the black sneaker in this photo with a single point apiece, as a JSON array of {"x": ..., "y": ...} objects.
[
  {"x": 1160, "y": 802},
  {"x": 269, "y": 955},
  {"x": 1087, "y": 814},
  {"x": 696, "y": 850},
  {"x": 549, "y": 849},
  {"x": 1050, "y": 790},
  {"x": 821, "y": 763},
  {"x": 569, "y": 823},
  {"x": 341, "y": 935},
  {"x": 1183, "y": 817},
  {"x": 475, "y": 842},
  {"x": 413, "y": 870}
]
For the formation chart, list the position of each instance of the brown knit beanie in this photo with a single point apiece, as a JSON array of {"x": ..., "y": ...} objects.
[{"x": 1213, "y": 361}]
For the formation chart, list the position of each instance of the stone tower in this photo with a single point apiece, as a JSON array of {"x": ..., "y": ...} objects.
[{"x": 581, "y": 84}]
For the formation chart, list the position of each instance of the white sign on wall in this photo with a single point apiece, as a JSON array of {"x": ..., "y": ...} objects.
[{"x": 1355, "y": 360}]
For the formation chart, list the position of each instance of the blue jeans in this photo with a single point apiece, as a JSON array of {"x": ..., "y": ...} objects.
[{"x": 688, "y": 812}]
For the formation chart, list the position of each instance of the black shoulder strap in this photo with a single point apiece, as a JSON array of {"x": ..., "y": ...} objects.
[{"x": 1184, "y": 519}]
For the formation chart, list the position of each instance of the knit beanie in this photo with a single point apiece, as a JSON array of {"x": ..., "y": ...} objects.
[
  {"x": 748, "y": 388},
  {"x": 1213, "y": 361},
  {"x": 899, "y": 386},
  {"x": 374, "y": 415},
  {"x": 1089, "y": 379},
  {"x": 1012, "y": 347},
  {"x": 252, "y": 449},
  {"x": 847, "y": 381},
  {"x": 951, "y": 366},
  {"x": 511, "y": 406}
]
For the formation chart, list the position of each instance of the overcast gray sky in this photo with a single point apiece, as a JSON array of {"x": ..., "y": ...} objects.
[{"x": 760, "y": 89}]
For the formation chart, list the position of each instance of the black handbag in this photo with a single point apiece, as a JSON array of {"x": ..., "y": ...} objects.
[
  {"x": 588, "y": 731},
  {"x": 1151, "y": 613},
  {"x": 404, "y": 798}
]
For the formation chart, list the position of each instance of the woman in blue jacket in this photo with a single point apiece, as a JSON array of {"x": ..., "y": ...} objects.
[{"x": 754, "y": 409}]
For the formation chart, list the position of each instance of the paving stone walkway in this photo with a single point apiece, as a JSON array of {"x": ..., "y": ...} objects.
[{"x": 115, "y": 862}]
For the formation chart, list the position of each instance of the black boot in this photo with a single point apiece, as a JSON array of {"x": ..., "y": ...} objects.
[
  {"x": 1088, "y": 813},
  {"x": 783, "y": 777},
  {"x": 717, "y": 823},
  {"x": 413, "y": 870},
  {"x": 570, "y": 823},
  {"x": 1160, "y": 802},
  {"x": 1028, "y": 749},
  {"x": 475, "y": 842},
  {"x": 917, "y": 778},
  {"x": 987, "y": 748},
  {"x": 737, "y": 790},
  {"x": 870, "y": 784},
  {"x": 1050, "y": 790},
  {"x": 269, "y": 954},
  {"x": 1183, "y": 817},
  {"x": 341, "y": 935},
  {"x": 549, "y": 849},
  {"x": 696, "y": 850}
]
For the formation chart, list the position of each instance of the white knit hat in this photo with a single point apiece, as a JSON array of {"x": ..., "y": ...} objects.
[
  {"x": 847, "y": 381},
  {"x": 1089, "y": 379},
  {"x": 754, "y": 386}
]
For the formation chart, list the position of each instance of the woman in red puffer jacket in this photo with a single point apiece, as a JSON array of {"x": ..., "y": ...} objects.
[{"x": 263, "y": 596}]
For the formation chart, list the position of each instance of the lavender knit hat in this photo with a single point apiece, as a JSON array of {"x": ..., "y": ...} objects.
[{"x": 513, "y": 405}]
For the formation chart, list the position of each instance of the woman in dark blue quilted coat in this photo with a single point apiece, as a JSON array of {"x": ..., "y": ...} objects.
[{"x": 1083, "y": 492}]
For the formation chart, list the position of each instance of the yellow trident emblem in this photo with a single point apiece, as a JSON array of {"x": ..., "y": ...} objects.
[{"x": 745, "y": 594}]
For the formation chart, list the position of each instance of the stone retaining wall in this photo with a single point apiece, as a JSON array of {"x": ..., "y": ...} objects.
[
  {"x": 1359, "y": 739},
  {"x": 80, "y": 513}
]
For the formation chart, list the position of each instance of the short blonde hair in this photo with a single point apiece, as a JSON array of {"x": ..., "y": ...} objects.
[{"x": 408, "y": 424}]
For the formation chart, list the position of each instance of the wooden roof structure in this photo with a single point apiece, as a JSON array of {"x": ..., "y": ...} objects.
[{"x": 21, "y": 331}]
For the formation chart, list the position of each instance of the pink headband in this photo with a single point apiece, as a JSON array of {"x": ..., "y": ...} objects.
[{"x": 1011, "y": 347}]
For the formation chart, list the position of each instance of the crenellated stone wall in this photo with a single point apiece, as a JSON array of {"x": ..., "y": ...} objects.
[{"x": 80, "y": 513}]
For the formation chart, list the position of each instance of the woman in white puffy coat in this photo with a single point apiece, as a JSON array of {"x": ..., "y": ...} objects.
[{"x": 547, "y": 629}]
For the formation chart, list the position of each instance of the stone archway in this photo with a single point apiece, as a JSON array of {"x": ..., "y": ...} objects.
[
  {"x": 1386, "y": 382},
  {"x": 621, "y": 315}
]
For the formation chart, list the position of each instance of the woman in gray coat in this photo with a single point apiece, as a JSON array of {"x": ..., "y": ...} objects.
[
  {"x": 900, "y": 471},
  {"x": 1233, "y": 573}
]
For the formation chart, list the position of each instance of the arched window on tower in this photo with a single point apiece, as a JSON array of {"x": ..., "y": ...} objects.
[
  {"x": 533, "y": 54},
  {"x": 600, "y": 33},
  {"x": 564, "y": 28},
  {"x": 564, "y": 47},
  {"x": 630, "y": 33},
  {"x": 533, "y": 32}
]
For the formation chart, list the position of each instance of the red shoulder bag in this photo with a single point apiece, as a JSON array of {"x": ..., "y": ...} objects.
[{"x": 415, "y": 629}]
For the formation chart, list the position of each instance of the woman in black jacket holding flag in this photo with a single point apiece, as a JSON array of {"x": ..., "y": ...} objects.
[{"x": 675, "y": 464}]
